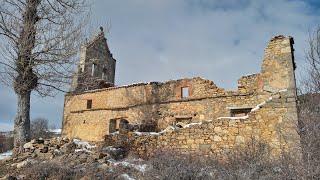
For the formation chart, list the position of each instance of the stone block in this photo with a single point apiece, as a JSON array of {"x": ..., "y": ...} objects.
[
  {"x": 217, "y": 138},
  {"x": 239, "y": 140},
  {"x": 204, "y": 147}
]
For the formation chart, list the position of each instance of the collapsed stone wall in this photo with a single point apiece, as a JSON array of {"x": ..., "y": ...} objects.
[
  {"x": 218, "y": 137},
  {"x": 163, "y": 105},
  {"x": 249, "y": 83},
  {"x": 137, "y": 105}
]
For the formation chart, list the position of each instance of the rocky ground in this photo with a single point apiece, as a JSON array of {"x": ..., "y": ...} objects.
[{"x": 61, "y": 158}]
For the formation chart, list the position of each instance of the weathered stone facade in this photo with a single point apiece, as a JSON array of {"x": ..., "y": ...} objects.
[
  {"x": 194, "y": 115},
  {"x": 97, "y": 66}
]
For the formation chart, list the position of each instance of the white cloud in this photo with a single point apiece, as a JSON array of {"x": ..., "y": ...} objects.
[{"x": 172, "y": 39}]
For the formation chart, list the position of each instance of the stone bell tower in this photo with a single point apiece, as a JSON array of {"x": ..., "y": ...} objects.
[{"x": 97, "y": 66}]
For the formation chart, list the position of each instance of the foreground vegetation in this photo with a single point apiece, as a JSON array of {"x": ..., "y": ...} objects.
[{"x": 249, "y": 162}]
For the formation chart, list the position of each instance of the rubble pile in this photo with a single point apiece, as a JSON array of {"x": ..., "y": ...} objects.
[
  {"x": 75, "y": 155},
  {"x": 49, "y": 148}
]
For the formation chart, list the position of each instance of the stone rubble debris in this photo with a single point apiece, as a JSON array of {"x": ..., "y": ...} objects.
[
  {"x": 49, "y": 148},
  {"x": 70, "y": 153}
]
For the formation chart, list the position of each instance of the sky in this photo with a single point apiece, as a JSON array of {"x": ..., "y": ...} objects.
[{"x": 159, "y": 40}]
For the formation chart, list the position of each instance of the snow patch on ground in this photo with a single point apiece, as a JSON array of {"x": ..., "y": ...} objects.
[
  {"x": 111, "y": 148},
  {"x": 55, "y": 131},
  {"x": 114, "y": 133},
  {"x": 126, "y": 177},
  {"x": 5, "y": 155},
  {"x": 83, "y": 146},
  {"x": 83, "y": 150},
  {"x": 139, "y": 167}
]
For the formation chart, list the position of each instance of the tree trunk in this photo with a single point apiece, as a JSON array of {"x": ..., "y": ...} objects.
[{"x": 22, "y": 122}]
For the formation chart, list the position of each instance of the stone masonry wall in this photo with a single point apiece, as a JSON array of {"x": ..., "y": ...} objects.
[
  {"x": 155, "y": 103},
  {"x": 267, "y": 99},
  {"x": 220, "y": 136}
]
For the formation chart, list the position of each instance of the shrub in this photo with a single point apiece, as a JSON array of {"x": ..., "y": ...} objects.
[{"x": 39, "y": 128}]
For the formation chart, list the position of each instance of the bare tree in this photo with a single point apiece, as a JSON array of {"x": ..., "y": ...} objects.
[
  {"x": 39, "y": 128},
  {"x": 311, "y": 83},
  {"x": 309, "y": 107},
  {"x": 40, "y": 39}
]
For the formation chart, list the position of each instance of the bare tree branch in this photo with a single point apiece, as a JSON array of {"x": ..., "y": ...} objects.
[{"x": 41, "y": 39}]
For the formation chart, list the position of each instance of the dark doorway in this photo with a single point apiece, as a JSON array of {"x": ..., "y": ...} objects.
[{"x": 113, "y": 126}]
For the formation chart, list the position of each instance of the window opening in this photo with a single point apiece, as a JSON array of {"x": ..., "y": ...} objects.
[
  {"x": 240, "y": 112},
  {"x": 113, "y": 126},
  {"x": 185, "y": 92},
  {"x": 89, "y": 104}
]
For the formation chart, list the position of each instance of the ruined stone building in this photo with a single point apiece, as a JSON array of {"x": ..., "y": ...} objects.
[{"x": 190, "y": 114}]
